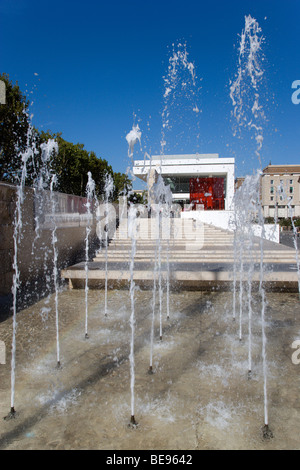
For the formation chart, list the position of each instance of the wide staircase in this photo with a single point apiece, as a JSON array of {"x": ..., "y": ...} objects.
[
  {"x": 191, "y": 254},
  {"x": 188, "y": 241}
]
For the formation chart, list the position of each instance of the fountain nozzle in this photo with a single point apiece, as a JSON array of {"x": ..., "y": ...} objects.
[
  {"x": 133, "y": 423},
  {"x": 11, "y": 414},
  {"x": 267, "y": 433}
]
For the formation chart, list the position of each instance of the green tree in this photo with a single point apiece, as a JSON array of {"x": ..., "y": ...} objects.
[
  {"x": 138, "y": 198},
  {"x": 72, "y": 163},
  {"x": 122, "y": 185},
  {"x": 14, "y": 126}
]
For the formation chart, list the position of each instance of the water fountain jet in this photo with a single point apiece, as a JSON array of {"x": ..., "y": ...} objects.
[
  {"x": 90, "y": 194},
  {"x": 247, "y": 113},
  {"x": 132, "y": 232},
  {"x": 55, "y": 270},
  {"x": 108, "y": 190}
]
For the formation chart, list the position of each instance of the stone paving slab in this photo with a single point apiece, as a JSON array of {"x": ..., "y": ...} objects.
[{"x": 218, "y": 275}]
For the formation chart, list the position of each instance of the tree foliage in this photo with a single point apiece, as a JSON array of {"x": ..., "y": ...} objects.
[
  {"x": 138, "y": 198},
  {"x": 122, "y": 185},
  {"x": 14, "y": 125},
  {"x": 70, "y": 164}
]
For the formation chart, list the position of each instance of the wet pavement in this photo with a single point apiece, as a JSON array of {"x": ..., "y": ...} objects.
[{"x": 199, "y": 396}]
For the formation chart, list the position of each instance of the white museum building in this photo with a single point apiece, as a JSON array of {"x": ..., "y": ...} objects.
[{"x": 203, "y": 184}]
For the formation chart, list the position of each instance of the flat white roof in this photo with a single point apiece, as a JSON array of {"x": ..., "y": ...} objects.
[
  {"x": 184, "y": 160},
  {"x": 191, "y": 156},
  {"x": 182, "y": 165}
]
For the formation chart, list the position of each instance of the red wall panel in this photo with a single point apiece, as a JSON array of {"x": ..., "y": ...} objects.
[{"x": 208, "y": 192}]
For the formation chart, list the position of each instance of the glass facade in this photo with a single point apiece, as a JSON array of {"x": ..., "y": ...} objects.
[
  {"x": 178, "y": 184},
  {"x": 207, "y": 192}
]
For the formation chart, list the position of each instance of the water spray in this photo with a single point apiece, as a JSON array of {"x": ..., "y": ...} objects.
[
  {"x": 108, "y": 190},
  {"x": 90, "y": 191}
]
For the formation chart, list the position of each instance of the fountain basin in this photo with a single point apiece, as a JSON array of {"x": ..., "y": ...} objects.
[{"x": 199, "y": 396}]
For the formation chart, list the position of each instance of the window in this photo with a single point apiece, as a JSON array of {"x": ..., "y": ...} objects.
[
  {"x": 291, "y": 181},
  {"x": 272, "y": 198},
  {"x": 272, "y": 182},
  {"x": 291, "y": 189},
  {"x": 272, "y": 190}
]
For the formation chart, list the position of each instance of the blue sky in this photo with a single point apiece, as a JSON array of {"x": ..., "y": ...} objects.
[{"x": 92, "y": 69}]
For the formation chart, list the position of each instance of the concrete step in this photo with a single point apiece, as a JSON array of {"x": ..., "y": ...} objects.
[
  {"x": 151, "y": 244},
  {"x": 172, "y": 239},
  {"x": 219, "y": 249},
  {"x": 195, "y": 276},
  {"x": 206, "y": 260},
  {"x": 196, "y": 257},
  {"x": 208, "y": 267},
  {"x": 202, "y": 252}
]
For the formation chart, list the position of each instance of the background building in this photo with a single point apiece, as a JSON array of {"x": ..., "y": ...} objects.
[
  {"x": 203, "y": 181},
  {"x": 280, "y": 191},
  {"x": 204, "y": 185},
  {"x": 238, "y": 182}
]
